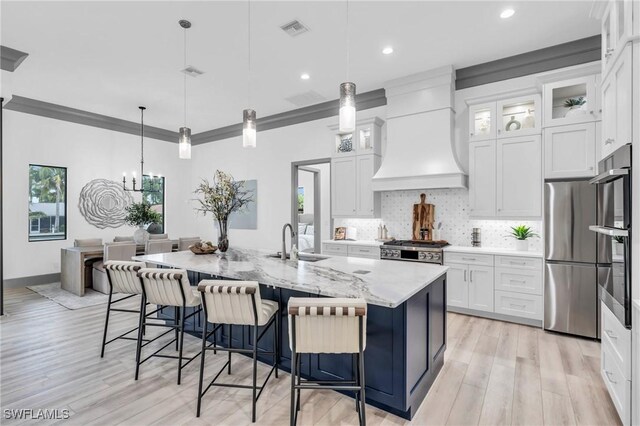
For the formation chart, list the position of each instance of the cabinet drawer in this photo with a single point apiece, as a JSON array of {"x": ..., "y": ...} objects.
[
  {"x": 518, "y": 304},
  {"x": 364, "y": 251},
  {"x": 335, "y": 249},
  {"x": 618, "y": 338},
  {"x": 519, "y": 280},
  {"x": 469, "y": 259},
  {"x": 617, "y": 384},
  {"x": 519, "y": 262}
]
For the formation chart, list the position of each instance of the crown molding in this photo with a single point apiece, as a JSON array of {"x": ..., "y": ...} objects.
[
  {"x": 10, "y": 59},
  {"x": 78, "y": 116}
]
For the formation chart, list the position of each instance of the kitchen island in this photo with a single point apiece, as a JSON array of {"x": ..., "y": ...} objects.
[{"x": 406, "y": 318}]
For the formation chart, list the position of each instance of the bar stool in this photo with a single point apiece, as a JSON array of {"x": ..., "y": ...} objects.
[
  {"x": 167, "y": 287},
  {"x": 122, "y": 277},
  {"x": 237, "y": 303},
  {"x": 327, "y": 326}
]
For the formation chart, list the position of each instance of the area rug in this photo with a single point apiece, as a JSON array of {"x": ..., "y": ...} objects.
[{"x": 70, "y": 300}]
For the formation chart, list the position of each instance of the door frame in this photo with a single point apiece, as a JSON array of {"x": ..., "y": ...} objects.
[{"x": 296, "y": 166}]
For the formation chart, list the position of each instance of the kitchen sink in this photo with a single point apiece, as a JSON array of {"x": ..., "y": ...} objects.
[{"x": 305, "y": 257}]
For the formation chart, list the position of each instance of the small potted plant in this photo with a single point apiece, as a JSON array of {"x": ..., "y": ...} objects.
[
  {"x": 575, "y": 106},
  {"x": 522, "y": 234},
  {"x": 140, "y": 215}
]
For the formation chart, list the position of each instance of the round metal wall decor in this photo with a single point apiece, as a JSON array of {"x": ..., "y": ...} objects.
[{"x": 103, "y": 202}]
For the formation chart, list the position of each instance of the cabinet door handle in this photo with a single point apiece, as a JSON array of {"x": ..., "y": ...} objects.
[
  {"x": 610, "y": 334},
  {"x": 514, "y": 305},
  {"x": 609, "y": 374},
  {"x": 609, "y": 141},
  {"x": 465, "y": 276},
  {"x": 470, "y": 276},
  {"x": 471, "y": 134},
  {"x": 513, "y": 262},
  {"x": 469, "y": 259},
  {"x": 517, "y": 281}
]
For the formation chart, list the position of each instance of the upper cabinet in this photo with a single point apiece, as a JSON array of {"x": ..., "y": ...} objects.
[
  {"x": 570, "y": 151},
  {"x": 482, "y": 122},
  {"x": 366, "y": 139},
  {"x": 617, "y": 30},
  {"x": 571, "y": 101},
  {"x": 617, "y": 103},
  {"x": 505, "y": 118}
]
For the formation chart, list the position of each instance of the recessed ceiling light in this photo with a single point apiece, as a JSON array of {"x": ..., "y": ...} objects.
[
  {"x": 305, "y": 76},
  {"x": 387, "y": 50},
  {"x": 507, "y": 13}
]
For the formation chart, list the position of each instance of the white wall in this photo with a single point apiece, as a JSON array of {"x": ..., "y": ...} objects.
[
  {"x": 88, "y": 153},
  {"x": 269, "y": 163}
]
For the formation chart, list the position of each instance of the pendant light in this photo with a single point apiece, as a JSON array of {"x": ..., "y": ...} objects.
[
  {"x": 347, "y": 113},
  {"x": 184, "y": 141},
  {"x": 249, "y": 115}
]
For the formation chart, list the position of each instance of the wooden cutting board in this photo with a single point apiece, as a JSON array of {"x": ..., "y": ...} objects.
[{"x": 423, "y": 217}]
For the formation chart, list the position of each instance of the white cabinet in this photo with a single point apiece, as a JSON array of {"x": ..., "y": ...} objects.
[
  {"x": 368, "y": 201},
  {"x": 635, "y": 380},
  {"x": 519, "y": 177},
  {"x": 470, "y": 285},
  {"x": 482, "y": 122},
  {"x": 617, "y": 29},
  {"x": 617, "y": 104},
  {"x": 457, "y": 286},
  {"x": 366, "y": 139},
  {"x": 571, "y": 101},
  {"x": 482, "y": 178},
  {"x": 518, "y": 116},
  {"x": 570, "y": 151},
  {"x": 343, "y": 186},
  {"x": 481, "y": 288},
  {"x": 518, "y": 304},
  {"x": 351, "y": 249}
]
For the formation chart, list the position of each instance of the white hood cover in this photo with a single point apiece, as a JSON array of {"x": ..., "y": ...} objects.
[{"x": 419, "y": 152}]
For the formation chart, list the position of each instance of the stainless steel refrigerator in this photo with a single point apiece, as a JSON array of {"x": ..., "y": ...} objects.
[{"x": 574, "y": 256}]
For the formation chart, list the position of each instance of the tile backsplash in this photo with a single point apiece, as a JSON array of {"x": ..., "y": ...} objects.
[{"x": 452, "y": 210}]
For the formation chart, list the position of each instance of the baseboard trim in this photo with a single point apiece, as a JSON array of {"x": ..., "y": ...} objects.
[
  {"x": 493, "y": 315},
  {"x": 32, "y": 280}
]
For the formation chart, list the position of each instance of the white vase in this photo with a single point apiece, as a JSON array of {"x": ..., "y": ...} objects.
[
  {"x": 575, "y": 110},
  {"x": 522, "y": 245},
  {"x": 140, "y": 235}
]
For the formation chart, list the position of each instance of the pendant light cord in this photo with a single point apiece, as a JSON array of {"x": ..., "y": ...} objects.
[
  {"x": 142, "y": 146},
  {"x": 249, "y": 54},
  {"x": 185, "y": 77},
  {"x": 348, "y": 33}
]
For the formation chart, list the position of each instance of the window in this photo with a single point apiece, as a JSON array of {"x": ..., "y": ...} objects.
[
  {"x": 154, "y": 195},
  {"x": 47, "y": 203}
]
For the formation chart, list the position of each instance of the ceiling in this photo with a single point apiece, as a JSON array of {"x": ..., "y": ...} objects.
[{"x": 110, "y": 57}]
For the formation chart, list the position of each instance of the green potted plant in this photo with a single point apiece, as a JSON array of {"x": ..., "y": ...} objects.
[
  {"x": 222, "y": 198},
  {"x": 140, "y": 215},
  {"x": 522, "y": 234},
  {"x": 575, "y": 106}
]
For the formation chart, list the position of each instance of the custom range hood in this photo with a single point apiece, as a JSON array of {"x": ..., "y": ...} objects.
[{"x": 420, "y": 152}]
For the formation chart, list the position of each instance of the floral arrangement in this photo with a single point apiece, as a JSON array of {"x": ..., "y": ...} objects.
[
  {"x": 221, "y": 198},
  {"x": 141, "y": 214}
]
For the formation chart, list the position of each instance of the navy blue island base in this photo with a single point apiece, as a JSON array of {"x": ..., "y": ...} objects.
[{"x": 404, "y": 349}]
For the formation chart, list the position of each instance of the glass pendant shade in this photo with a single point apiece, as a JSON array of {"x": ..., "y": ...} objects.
[
  {"x": 347, "y": 107},
  {"x": 184, "y": 143},
  {"x": 249, "y": 128}
]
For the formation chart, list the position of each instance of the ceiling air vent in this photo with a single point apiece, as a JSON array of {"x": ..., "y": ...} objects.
[
  {"x": 294, "y": 28},
  {"x": 305, "y": 99},
  {"x": 192, "y": 71}
]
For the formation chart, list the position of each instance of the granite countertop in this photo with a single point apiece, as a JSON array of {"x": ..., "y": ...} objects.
[
  {"x": 355, "y": 242},
  {"x": 494, "y": 250},
  {"x": 379, "y": 282}
]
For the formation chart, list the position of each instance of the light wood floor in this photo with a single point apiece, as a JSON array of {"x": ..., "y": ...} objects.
[{"x": 495, "y": 373}]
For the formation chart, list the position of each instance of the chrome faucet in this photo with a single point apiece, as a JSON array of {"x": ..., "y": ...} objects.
[{"x": 284, "y": 243}]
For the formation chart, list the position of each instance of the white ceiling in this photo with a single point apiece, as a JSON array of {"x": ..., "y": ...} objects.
[{"x": 110, "y": 57}]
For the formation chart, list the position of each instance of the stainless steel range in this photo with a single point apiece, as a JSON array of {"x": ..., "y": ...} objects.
[{"x": 414, "y": 251}]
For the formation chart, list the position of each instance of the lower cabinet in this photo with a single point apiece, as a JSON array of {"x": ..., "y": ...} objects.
[
  {"x": 513, "y": 287},
  {"x": 352, "y": 250}
]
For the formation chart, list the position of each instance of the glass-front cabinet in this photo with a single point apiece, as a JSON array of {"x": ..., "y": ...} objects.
[
  {"x": 571, "y": 101},
  {"x": 518, "y": 116},
  {"x": 482, "y": 122},
  {"x": 617, "y": 30},
  {"x": 366, "y": 139}
]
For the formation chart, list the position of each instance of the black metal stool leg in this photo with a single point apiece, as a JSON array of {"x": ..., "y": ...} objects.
[
  {"x": 294, "y": 363},
  {"x": 276, "y": 343},
  {"x": 204, "y": 345},
  {"x": 230, "y": 345},
  {"x": 356, "y": 376},
  {"x": 141, "y": 325},
  {"x": 255, "y": 371},
  {"x": 181, "y": 327},
  {"x": 299, "y": 379},
  {"x": 106, "y": 324},
  {"x": 176, "y": 315}
]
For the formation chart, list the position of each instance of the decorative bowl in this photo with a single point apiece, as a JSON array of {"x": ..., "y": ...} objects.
[{"x": 203, "y": 248}]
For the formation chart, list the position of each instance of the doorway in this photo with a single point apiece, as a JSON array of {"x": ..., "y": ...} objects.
[{"x": 311, "y": 203}]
